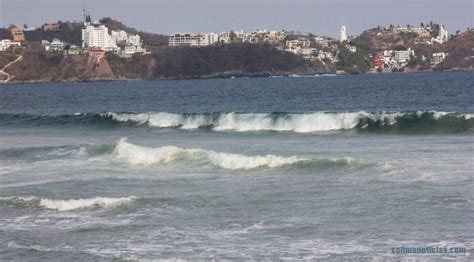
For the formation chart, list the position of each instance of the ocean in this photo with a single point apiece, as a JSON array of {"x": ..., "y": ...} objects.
[{"x": 337, "y": 168}]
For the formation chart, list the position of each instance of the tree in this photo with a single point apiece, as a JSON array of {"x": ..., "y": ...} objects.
[
  {"x": 422, "y": 24},
  {"x": 232, "y": 35}
]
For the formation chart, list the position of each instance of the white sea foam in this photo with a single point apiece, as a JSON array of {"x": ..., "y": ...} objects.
[
  {"x": 39, "y": 248},
  {"x": 102, "y": 202},
  {"x": 72, "y": 204},
  {"x": 294, "y": 122},
  {"x": 283, "y": 122},
  {"x": 468, "y": 116},
  {"x": 139, "y": 155},
  {"x": 438, "y": 114}
]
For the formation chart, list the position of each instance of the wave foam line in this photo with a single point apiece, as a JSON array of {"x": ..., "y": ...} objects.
[
  {"x": 71, "y": 204},
  {"x": 138, "y": 155},
  {"x": 420, "y": 121},
  {"x": 303, "y": 122}
]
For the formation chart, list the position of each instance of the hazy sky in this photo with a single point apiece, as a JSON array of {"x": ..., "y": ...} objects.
[{"x": 322, "y": 17}]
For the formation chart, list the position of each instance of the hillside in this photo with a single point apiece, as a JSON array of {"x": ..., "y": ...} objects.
[
  {"x": 234, "y": 59},
  {"x": 460, "y": 50},
  {"x": 170, "y": 63}
]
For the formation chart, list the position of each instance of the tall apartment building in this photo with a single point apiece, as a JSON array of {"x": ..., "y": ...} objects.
[{"x": 97, "y": 36}]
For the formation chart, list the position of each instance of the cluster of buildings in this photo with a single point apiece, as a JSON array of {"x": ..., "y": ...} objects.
[
  {"x": 423, "y": 33},
  {"x": 197, "y": 39},
  {"x": 17, "y": 37},
  {"x": 96, "y": 39},
  {"x": 206, "y": 39},
  {"x": 397, "y": 59},
  {"x": 299, "y": 45}
]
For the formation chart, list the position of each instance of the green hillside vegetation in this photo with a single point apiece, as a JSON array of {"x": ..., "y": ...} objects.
[
  {"x": 212, "y": 61},
  {"x": 352, "y": 62}
]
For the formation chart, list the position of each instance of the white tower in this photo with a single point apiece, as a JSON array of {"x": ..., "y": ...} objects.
[
  {"x": 343, "y": 34},
  {"x": 443, "y": 34}
]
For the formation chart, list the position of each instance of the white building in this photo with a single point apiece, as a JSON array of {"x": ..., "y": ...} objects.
[
  {"x": 324, "y": 42},
  {"x": 403, "y": 56},
  {"x": 211, "y": 38},
  {"x": 134, "y": 40},
  {"x": 343, "y": 34},
  {"x": 119, "y": 36},
  {"x": 187, "y": 39},
  {"x": 196, "y": 39},
  {"x": 97, "y": 36},
  {"x": 124, "y": 37},
  {"x": 352, "y": 48},
  {"x": 130, "y": 49},
  {"x": 442, "y": 36},
  {"x": 224, "y": 37},
  {"x": 438, "y": 58},
  {"x": 56, "y": 45},
  {"x": 6, "y": 43}
]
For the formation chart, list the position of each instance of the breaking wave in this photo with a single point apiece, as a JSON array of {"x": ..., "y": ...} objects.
[
  {"x": 396, "y": 122},
  {"x": 146, "y": 156},
  {"x": 139, "y": 155},
  {"x": 67, "y": 205}
]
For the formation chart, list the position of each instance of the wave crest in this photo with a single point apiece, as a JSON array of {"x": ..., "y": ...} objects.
[
  {"x": 139, "y": 155},
  {"x": 71, "y": 204},
  {"x": 421, "y": 121},
  {"x": 430, "y": 121}
]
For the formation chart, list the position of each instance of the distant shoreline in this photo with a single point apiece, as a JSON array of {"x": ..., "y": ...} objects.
[{"x": 231, "y": 77}]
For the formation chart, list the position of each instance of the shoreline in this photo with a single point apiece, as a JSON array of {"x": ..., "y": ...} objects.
[{"x": 227, "y": 76}]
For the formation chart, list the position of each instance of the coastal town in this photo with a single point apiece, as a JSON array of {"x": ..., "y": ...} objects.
[{"x": 393, "y": 48}]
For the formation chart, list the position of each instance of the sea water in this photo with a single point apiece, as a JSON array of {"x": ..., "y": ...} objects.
[{"x": 337, "y": 168}]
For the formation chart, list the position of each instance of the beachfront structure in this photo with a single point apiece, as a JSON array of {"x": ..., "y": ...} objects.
[
  {"x": 343, "y": 34},
  {"x": 6, "y": 43},
  {"x": 377, "y": 61},
  {"x": 403, "y": 56},
  {"x": 97, "y": 36}
]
